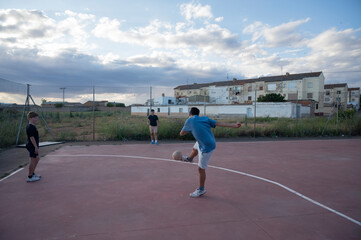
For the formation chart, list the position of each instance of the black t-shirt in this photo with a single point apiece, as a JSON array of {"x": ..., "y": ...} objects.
[
  {"x": 31, "y": 131},
  {"x": 153, "y": 120}
]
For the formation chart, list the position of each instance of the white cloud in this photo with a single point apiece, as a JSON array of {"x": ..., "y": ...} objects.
[
  {"x": 219, "y": 19},
  {"x": 282, "y": 35},
  {"x": 32, "y": 29},
  {"x": 195, "y": 10}
]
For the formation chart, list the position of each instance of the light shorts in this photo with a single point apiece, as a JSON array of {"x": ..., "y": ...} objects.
[
  {"x": 203, "y": 157},
  {"x": 153, "y": 129}
]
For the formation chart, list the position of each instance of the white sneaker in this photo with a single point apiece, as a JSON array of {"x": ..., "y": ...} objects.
[
  {"x": 33, "y": 179},
  {"x": 197, "y": 193},
  {"x": 36, "y": 175},
  {"x": 186, "y": 159}
]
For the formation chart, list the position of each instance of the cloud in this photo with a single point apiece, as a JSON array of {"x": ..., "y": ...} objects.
[
  {"x": 32, "y": 29},
  {"x": 219, "y": 19},
  {"x": 282, "y": 35},
  {"x": 157, "y": 34},
  {"x": 195, "y": 10}
]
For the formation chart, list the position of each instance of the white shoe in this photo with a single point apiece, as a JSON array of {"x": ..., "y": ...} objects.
[
  {"x": 36, "y": 175},
  {"x": 197, "y": 193},
  {"x": 33, "y": 179},
  {"x": 186, "y": 159}
]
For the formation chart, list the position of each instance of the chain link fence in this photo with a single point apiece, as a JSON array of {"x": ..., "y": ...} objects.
[{"x": 102, "y": 113}]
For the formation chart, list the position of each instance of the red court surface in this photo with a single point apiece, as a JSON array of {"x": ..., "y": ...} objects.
[{"x": 134, "y": 191}]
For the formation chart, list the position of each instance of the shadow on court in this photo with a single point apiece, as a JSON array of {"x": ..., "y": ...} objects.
[{"x": 294, "y": 190}]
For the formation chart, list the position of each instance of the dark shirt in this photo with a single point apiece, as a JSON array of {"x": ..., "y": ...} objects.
[
  {"x": 31, "y": 131},
  {"x": 153, "y": 120}
]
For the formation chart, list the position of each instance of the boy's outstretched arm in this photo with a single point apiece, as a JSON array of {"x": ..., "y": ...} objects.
[
  {"x": 232, "y": 125},
  {"x": 182, "y": 133}
]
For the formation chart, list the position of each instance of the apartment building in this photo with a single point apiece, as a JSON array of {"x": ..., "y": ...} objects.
[
  {"x": 354, "y": 98},
  {"x": 335, "y": 94},
  {"x": 302, "y": 86}
]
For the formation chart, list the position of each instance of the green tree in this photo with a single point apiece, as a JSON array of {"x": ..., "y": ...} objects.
[
  {"x": 58, "y": 105},
  {"x": 109, "y": 104},
  {"x": 272, "y": 97},
  {"x": 120, "y": 105}
]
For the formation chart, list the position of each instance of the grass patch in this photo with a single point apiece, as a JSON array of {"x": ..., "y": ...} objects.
[{"x": 121, "y": 126}]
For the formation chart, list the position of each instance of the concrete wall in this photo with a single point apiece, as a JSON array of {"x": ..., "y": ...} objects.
[{"x": 282, "y": 109}]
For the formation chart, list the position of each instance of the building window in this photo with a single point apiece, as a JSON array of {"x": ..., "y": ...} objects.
[
  {"x": 292, "y": 85},
  {"x": 309, "y": 95},
  {"x": 249, "y": 98},
  {"x": 316, "y": 105},
  {"x": 327, "y": 93},
  {"x": 169, "y": 101},
  {"x": 327, "y": 99},
  {"x": 272, "y": 87},
  {"x": 158, "y": 109},
  {"x": 261, "y": 88},
  {"x": 180, "y": 110},
  {"x": 309, "y": 85},
  {"x": 292, "y": 96},
  {"x": 284, "y": 85},
  {"x": 249, "y": 88},
  {"x": 338, "y": 92}
]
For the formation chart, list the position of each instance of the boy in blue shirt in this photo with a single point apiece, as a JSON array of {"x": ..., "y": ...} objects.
[{"x": 205, "y": 145}]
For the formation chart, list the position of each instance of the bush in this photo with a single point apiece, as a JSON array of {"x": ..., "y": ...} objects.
[{"x": 58, "y": 105}]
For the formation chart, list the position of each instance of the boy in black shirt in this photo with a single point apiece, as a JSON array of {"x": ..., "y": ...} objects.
[
  {"x": 153, "y": 127},
  {"x": 32, "y": 145}
]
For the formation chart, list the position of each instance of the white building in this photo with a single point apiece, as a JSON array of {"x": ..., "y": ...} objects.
[
  {"x": 302, "y": 86},
  {"x": 354, "y": 98}
]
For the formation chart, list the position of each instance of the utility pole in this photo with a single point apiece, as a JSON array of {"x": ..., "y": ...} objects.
[
  {"x": 93, "y": 113},
  {"x": 255, "y": 110},
  {"x": 63, "y": 88},
  {"x": 150, "y": 99}
]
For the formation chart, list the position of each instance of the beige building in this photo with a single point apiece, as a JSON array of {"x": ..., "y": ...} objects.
[
  {"x": 335, "y": 94},
  {"x": 302, "y": 86},
  {"x": 354, "y": 98}
]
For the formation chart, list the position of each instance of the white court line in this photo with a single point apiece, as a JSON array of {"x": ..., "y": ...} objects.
[
  {"x": 228, "y": 170},
  {"x": 11, "y": 174}
]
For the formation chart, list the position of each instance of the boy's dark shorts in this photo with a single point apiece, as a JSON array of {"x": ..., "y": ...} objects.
[{"x": 32, "y": 153}]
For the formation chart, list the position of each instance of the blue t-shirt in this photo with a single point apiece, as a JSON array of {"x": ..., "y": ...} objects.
[{"x": 201, "y": 130}]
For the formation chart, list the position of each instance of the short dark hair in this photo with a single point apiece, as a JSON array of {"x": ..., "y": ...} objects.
[
  {"x": 152, "y": 110},
  {"x": 194, "y": 111},
  {"x": 32, "y": 115}
]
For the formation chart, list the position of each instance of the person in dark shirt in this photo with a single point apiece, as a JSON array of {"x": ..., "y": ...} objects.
[
  {"x": 32, "y": 145},
  {"x": 153, "y": 122}
]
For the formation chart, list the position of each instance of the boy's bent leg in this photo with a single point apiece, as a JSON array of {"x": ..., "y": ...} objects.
[{"x": 193, "y": 154}]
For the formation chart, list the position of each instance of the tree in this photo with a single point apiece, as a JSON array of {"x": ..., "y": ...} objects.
[
  {"x": 58, "y": 105},
  {"x": 120, "y": 105},
  {"x": 272, "y": 97},
  {"x": 109, "y": 104},
  {"x": 43, "y": 100}
]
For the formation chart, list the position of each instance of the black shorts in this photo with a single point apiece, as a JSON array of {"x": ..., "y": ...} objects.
[{"x": 32, "y": 153}]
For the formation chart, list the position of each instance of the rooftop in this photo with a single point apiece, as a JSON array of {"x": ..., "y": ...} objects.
[{"x": 287, "y": 77}]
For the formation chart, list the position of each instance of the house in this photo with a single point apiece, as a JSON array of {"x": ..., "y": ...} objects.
[
  {"x": 354, "y": 98},
  {"x": 301, "y": 86},
  {"x": 335, "y": 94},
  {"x": 96, "y": 103}
]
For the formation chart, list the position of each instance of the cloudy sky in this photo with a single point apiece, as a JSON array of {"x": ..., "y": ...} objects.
[{"x": 123, "y": 47}]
